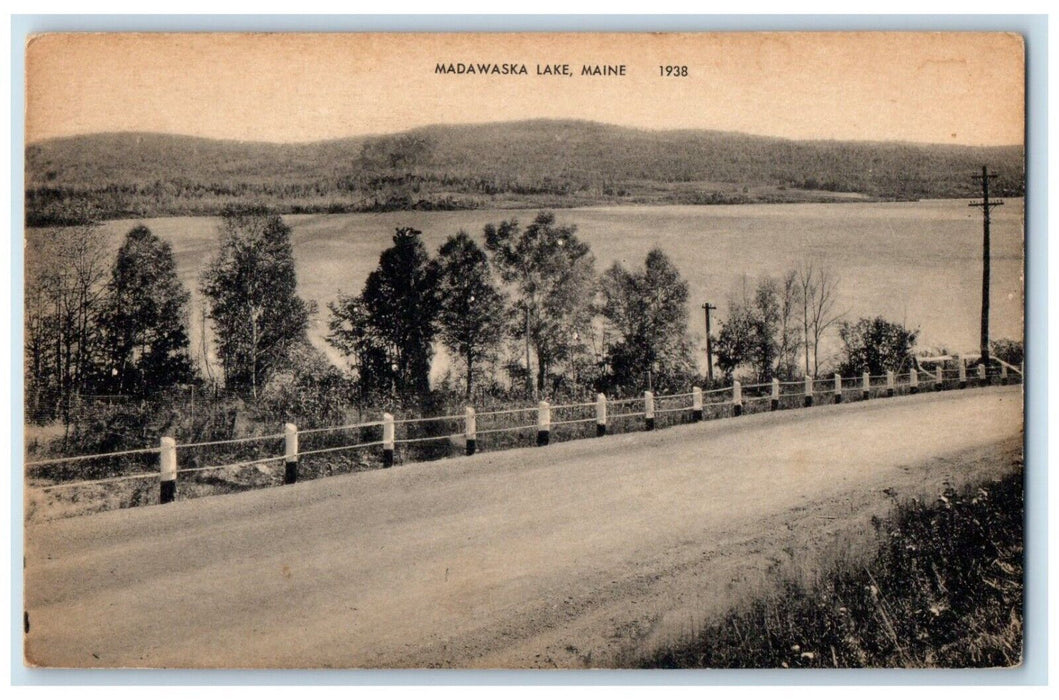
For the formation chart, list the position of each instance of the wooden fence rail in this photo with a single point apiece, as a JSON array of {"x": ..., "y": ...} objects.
[{"x": 732, "y": 396}]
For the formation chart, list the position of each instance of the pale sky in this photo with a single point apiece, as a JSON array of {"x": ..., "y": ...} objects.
[{"x": 959, "y": 88}]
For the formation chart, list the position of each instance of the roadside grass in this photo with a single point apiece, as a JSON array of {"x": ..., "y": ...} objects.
[
  {"x": 331, "y": 452},
  {"x": 429, "y": 441},
  {"x": 943, "y": 590}
]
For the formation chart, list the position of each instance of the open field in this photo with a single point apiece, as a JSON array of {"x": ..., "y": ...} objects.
[
  {"x": 578, "y": 554},
  {"x": 916, "y": 262}
]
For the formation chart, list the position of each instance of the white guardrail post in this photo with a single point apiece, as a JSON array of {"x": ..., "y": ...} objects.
[
  {"x": 808, "y": 390},
  {"x": 544, "y": 423},
  {"x": 696, "y": 404},
  {"x": 601, "y": 415},
  {"x": 290, "y": 453},
  {"x": 913, "y": 381},
  {"x": 939, "y": 378},
  {"x": 774, "y": 405},
  {"x": 983, "y": 376},
  {"x": 1003, "y": 374},
  {"x": 865, "y": 386},
  {"x": 838, "y": 388},
  {"x": 963, "y": 371},
  {"x": 470, "y": 429},
  {"x": 387, "y": 440},
  {"x": 889, "y": 382},
  {"x": 737, "y": 398},
  {"x": 168, "y": 466},
  {"x": 649, "y": 410}
]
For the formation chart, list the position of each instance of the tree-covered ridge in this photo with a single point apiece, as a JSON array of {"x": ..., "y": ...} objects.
[{"x": 531, "y": 164}]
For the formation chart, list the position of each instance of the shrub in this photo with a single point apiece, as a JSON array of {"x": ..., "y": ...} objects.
[{"x": 944, "y": 590}]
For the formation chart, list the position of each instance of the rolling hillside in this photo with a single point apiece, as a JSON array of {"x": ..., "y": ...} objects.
[{"x": 527, "y": 164}]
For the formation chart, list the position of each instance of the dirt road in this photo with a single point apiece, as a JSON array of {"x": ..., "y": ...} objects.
[{"x": 572, "y": 555}]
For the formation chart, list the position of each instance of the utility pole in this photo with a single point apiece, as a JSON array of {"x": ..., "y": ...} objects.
[
  {"x": 708, "y": 307},
  {"x": 986, "y": 205}
]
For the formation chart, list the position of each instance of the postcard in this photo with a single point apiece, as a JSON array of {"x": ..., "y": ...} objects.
[{"x": 524, "y": 350}]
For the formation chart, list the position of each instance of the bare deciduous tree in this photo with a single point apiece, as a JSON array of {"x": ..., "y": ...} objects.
[
  {"x": 65, "y": 274},
  {"x": 819, "y": 294},
  {"x": 790, "y": 335}
]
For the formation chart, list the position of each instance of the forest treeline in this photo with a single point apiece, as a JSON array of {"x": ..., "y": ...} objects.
[
  {"x": 534, "y": 164},
  {"x": 523, "y": 315}
]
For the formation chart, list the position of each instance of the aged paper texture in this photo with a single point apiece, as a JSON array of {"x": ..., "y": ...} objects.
[{"x": 524, "y": 350}]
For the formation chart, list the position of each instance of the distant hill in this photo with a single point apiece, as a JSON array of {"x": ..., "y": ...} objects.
[{"x": 531, "y": 163}]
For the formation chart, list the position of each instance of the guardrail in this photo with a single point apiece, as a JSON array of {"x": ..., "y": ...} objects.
[{"x": 541, "y": 420}]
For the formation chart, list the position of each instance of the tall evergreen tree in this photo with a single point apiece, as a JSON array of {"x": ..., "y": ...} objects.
[
  {"x": 393, "y": 322},
  {"x": 251, "y": 284},
  {"x": 471, "y": 310},
  {"x": 146, "y": 315}
]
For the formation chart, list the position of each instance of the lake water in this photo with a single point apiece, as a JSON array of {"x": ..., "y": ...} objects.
[{"x": 919, "y": 263}]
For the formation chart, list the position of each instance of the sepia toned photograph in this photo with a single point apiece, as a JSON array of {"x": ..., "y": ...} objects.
[{"x": 524, "y": 350}]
